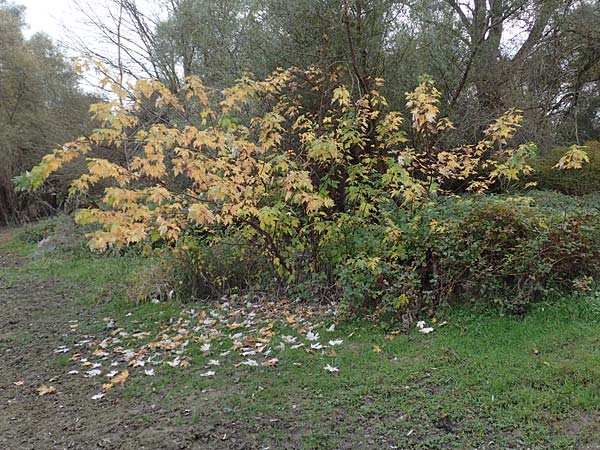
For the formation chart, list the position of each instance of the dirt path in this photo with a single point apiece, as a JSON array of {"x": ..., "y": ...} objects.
[{"x": 34, "y": 322}]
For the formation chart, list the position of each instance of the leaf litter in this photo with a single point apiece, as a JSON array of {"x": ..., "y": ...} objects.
[{"x": 233, "y": 332}]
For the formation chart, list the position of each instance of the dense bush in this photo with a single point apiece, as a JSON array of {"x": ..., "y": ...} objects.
[
  {"x": 573, "y": 181},
  {"x": 490, "y": 250},
  {"x": 346, "y": 198},
  {"x": 202, "y": 268},
  {"x": 37, "y": 231},
  {"x": 55, "y": 235},
  {"x": 564, "y": 203}
]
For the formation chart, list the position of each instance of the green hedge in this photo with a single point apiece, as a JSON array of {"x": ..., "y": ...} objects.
[{"x": 492, "y": 251}]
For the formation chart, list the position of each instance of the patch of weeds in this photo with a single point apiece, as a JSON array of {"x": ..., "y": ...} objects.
[
  {"x": 38, "y": 231},
  {"x": 11, "y": 246},
  {"x": 60, "y": 362}
]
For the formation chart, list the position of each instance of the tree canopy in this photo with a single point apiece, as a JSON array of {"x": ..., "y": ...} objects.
[{"x": 41, "y": 106}]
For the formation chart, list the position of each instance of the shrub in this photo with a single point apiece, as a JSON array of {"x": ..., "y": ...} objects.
[
  {"x": 557, "y": 202},
  {"x": 151, "y": 283},
  {"x": 55, "y": 235},
  {"x": 203, "y": 268},
  {"x": 343, "y": 194},
  {"x": 492, "y": 251},
  {"x": 571, "y": 181},
  {"x": 281, "y": 178}
]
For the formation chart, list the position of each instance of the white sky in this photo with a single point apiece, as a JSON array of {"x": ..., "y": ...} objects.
[
  {"x": 67, "y": 25},
  {"x": 49, "y": 16}
]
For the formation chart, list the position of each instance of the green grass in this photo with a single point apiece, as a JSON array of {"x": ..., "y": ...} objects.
[
  {"x": 517, "y": 382},
  {"x": 531, "y": 382},
  {"x": 479, "y": 378},
  {"x": 101, "y": 276}
]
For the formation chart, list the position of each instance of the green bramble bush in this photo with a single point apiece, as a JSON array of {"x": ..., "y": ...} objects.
[{"x": 491, "y": 251}]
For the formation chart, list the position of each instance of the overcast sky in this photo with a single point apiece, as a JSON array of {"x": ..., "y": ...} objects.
[
  {"x": 49, "y": 16},
  {"x": 66, "y": 24}
]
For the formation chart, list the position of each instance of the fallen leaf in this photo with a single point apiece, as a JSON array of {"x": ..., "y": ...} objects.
[
  {"x": 312, "y": 336},
  {"x": 271, "y": 362},
  {"x": 289, "y": 339},
  {"x": 205, "y": 348},
  {"x": 174, "y": 363},
  {"x": 377, "y": 349},
  {"x": 19, "y": 383},
  {"x": 121, "y": 378},
  {"x": 44, "y": 390},
  {"x": 329, "y": 368}
]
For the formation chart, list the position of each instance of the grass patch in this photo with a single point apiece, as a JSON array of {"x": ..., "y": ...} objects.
[
  {"x": 479, "y": 379},
  {"x": 530, "y": 382}
]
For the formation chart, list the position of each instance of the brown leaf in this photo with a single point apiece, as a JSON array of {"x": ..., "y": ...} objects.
[
  {"x": 377, "y": 349},
  {"x": 271, "y": 362},
  {"x": 121, "y": 378}
]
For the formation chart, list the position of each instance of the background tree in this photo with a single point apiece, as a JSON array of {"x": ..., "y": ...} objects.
[{"x": 41, "y": 106}]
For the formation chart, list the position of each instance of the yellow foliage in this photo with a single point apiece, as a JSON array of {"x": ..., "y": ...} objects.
[
  {"x": 276, "y": 174},
  {"x": 574, "y": 158}
]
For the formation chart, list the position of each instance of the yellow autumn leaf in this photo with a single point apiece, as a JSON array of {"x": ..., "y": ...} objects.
[
  {"x": 120, "y": 378},
  {"x": 45, "y": 390}
]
